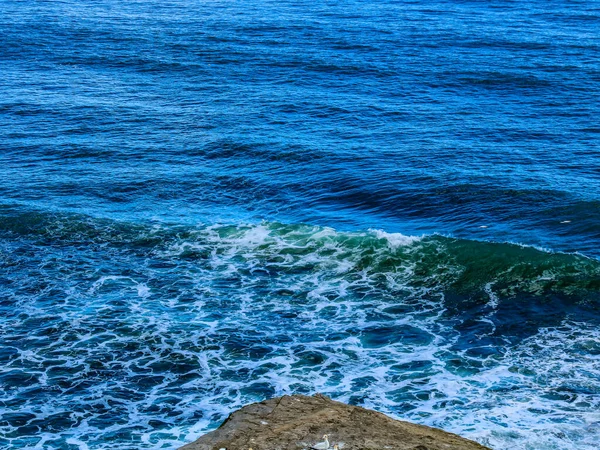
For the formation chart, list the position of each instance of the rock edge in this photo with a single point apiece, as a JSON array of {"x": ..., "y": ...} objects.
[{"x": 296, "y": 422}]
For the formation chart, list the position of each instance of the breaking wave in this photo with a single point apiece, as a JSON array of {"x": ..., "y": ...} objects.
[{"x": 117, "y": 335}]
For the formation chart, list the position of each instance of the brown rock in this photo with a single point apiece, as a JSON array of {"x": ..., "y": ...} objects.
[{"x": 296, "y": 422}]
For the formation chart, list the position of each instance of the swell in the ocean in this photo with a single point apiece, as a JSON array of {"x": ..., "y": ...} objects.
[{"x": 120, "y": 335}]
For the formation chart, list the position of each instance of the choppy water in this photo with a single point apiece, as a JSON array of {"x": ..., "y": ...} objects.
[{"x": 204, "y": 204}]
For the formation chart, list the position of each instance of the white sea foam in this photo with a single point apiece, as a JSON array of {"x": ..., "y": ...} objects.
[
  {"x": 396, "y": 239},
  {"x": 171, "y": 340}
]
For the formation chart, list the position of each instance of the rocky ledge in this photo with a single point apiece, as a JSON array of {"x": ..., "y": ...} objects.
[{"x": 300, "y": 422}]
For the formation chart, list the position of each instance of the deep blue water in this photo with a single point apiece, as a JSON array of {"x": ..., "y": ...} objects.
[{"x": 208, "y": 203}]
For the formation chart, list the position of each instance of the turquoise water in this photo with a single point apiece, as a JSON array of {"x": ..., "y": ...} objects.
[{"x": 208, "y": 204}]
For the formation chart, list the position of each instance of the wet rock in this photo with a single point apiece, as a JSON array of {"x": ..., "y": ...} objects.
[{"x": 299, "y": 422}]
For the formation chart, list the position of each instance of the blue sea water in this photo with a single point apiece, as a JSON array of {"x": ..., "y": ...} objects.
[{"x": 209, "y": 203}]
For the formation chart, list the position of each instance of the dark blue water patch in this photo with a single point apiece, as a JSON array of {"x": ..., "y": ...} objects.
[{"x": 381, "y": 337}]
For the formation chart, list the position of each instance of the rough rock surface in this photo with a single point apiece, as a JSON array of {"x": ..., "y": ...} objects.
[{"x": 297, "y": 422}]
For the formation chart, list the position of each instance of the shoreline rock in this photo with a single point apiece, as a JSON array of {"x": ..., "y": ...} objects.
[{"x": 298, "y": 422}]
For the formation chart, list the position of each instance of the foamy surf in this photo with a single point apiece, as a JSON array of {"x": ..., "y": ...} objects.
[{"x": 147, "y": 337}]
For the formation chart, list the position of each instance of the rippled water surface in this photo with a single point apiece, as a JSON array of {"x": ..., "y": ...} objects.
[{"x": 208, "y": 203}]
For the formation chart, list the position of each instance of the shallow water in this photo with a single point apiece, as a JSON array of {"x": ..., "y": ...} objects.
[{"x": 206, "y": 204}]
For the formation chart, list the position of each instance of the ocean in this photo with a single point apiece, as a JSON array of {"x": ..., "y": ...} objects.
[{"x": 209, "y": 203}]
